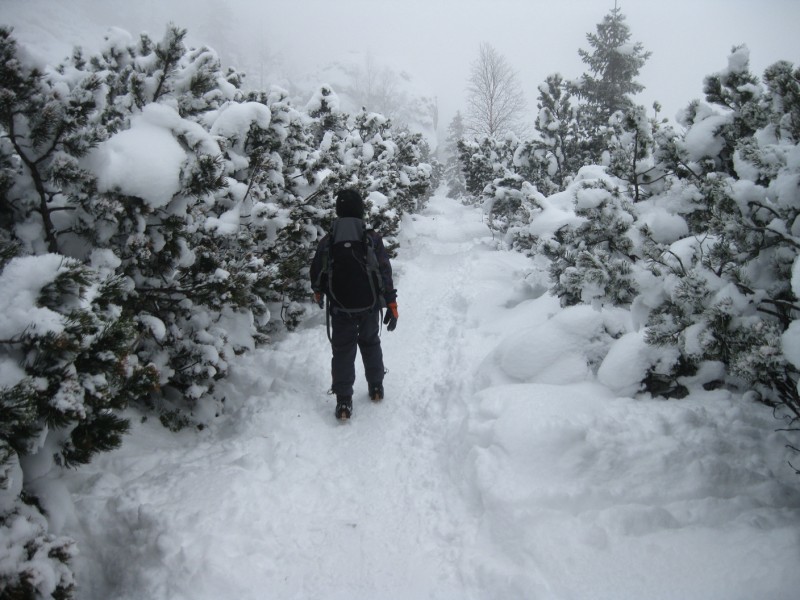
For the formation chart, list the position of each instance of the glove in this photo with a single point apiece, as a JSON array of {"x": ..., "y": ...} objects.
[
  {"x": 390, "y": 320},
  {"x": 318, "y": 300}
]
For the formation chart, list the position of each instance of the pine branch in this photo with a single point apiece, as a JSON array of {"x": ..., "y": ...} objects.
[
  {"x": 689, "y": 169},
  {"x": 778, "y": 234},
  {"x": 773, "y": 313},
  {"x": 758, "y": 205},
  {"x": 38, "y": 184},
  {"x": 683, "y": 270},
  {"x": 56, "y": 140}
]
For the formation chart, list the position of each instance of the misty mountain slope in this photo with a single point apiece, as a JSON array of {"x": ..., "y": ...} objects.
[{"x": 496, "y": 467}]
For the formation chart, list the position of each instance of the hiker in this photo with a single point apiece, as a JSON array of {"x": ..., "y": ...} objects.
[{"x": 351, "y": 269}]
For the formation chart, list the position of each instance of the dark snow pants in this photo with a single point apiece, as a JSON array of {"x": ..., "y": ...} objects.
[{"x": 348, "y": 332}]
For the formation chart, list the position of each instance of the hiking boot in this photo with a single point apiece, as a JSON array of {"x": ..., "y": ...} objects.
[
  {"x": 376, "y": 392},
  {"x": 344, "y": 407}
]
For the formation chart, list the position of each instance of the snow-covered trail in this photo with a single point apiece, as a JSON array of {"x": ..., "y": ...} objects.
[
  {"x": 497, "y": 466},
  {"x": 284, "y": 501}
]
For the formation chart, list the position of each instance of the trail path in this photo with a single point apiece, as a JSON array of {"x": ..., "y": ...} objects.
[{"x": 285, "y": 502}]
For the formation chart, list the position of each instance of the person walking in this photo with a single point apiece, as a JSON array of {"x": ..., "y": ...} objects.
[{"x": 351, "y": 269}]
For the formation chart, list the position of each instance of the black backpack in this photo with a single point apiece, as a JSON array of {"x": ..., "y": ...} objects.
[{"x": 354, "y": 281}]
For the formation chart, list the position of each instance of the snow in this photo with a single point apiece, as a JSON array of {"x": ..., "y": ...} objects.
[
  {"x": 628, "y": 361},
  {"x": 796, "y": 277},
  {"x": 228, "y": 222},
  {"x": 324, "y": 96},
  {"x": 739, "y": 60},
  {"x": 665, "y": 227},
  {"x": 155, "y": 325},
  {"x": 510, "y": 459},
  {"x": 790, "y": 342},
  {"x": 21, "y": 282},
  {"x": 143, "y": 161},
  {"x": 559, "y": 350},
  {"x": 234, "y": 121},
  {"x": 702, "y": 140},
  {"x": 10, "y": 373}
]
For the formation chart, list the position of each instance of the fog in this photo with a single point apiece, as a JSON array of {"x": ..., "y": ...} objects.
[{"x": 433, "y": 42}]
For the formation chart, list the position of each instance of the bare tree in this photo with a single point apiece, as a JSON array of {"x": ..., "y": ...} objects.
[
  {"x": 495, "y": 102},
  {"x": 376, "y": 88}
]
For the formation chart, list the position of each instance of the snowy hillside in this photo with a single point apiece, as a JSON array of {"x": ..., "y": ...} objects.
[{"x": 496, "y": 467}]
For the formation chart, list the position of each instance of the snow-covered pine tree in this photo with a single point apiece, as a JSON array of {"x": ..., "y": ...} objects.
[
  {"x": 178, "y": 246},
  {"x": 630, "y": 150},
  {"x": 417, "y": 170},
  {"x": 65, "y": 351},
  {"x": 592, "y": 263},
  {"x": 511, "y": 203},
  {"x": 558, "y": 126},
  {"x": 453, "y": 175},
  {"x": 280, "y": 174},
  {"x": 484, "y": 160},
  {"x": 728, "y": 294},
  {"x": 36, "y": 563},
  {"x": 173, "y": 238},
  {"x": 736, "y": 91},
  {"x": 614, "y": 63},
  {"x": 504, "y": 203},
  {"x": 160, "y": 218},
  {"x": 387, "y": 164},
  {"x": 365, "y": 151}
]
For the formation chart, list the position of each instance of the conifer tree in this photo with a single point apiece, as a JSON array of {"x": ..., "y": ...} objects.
[
  {"x": 735, "y": 90},
  {"x": 453, "y": 175},
  {"x": 557, "y": 124},
  {"x": 608, "y": 86},
  {"x": 731, "y": 300},
  {"x": 484, "y": 160},
  {"x": 506, "y": 203},
  {"x": 592, "y": 262},
  {"x": 70, "y": 351},
  {"x": 630, "y": 150}
]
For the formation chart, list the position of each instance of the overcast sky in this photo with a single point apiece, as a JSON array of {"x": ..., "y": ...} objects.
[{"x": 436, "y": 40}]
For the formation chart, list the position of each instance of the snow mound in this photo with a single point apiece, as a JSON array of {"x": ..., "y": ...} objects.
[
  {"x": 564, "y": 349},
  {"x": 593, "y": 496}
]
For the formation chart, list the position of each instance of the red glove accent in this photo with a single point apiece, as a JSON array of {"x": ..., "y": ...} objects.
[{"x": 390, "y": 320}]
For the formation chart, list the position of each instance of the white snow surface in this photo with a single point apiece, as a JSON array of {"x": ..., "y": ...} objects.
[
  {"x": 21, "y": 283},
  {"x": 498, "y": 466},
  {"x": 143, "y": 161}
]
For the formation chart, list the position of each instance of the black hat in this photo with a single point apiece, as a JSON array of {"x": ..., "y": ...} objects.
[{"x": 349, "y": 204}]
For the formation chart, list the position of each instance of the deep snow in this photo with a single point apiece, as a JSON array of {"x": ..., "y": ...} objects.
[{"x": 498, "y": 466}]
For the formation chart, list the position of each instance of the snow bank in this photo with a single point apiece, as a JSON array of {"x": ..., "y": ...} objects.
[
  {"x": 591, "y": 496},
  {"x": 628, "y": 361},
  {"x": 562, "y": 350}
]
